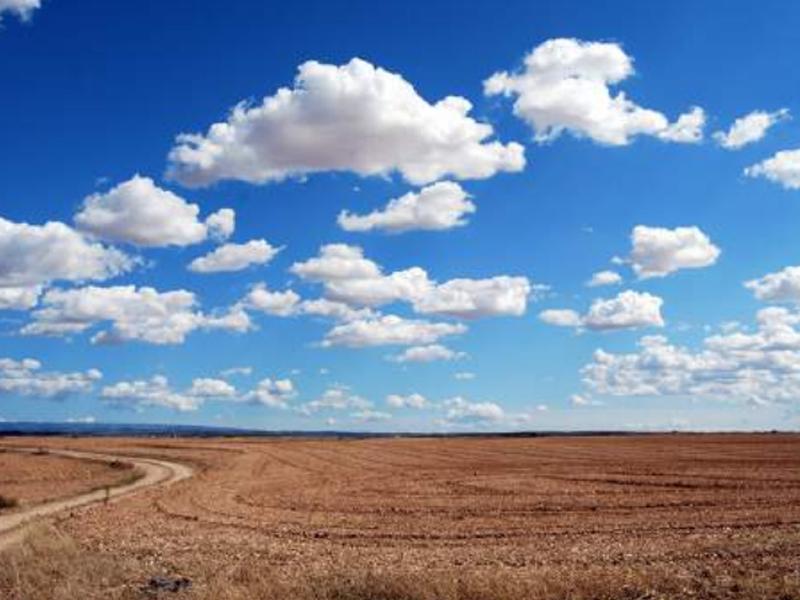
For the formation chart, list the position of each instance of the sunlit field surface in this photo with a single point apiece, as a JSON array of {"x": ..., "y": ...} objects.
[{"x": 713, "y": 516}]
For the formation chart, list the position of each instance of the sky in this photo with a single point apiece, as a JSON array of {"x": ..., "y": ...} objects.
[{"x": 394, "y": 216}]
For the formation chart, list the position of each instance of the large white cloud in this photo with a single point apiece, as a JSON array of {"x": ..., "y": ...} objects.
[
  {"x": 25, "y": 378},
  {"x": 155, "y": 391},
  {"x": 349, "y": 277},
  {"x": 235, "y": 257},
  {"x": 566, "y": 86},
  {"x": 21, "y": 8},
  {"x": 143, "y": 314},
  {"x": 627, "y": 310},
  {"x": 658, "y": 251},
  {"x": 337, "y": 262},
  {"x": 138, "y": 212},
  {"x": 442, "y": 205},
  {"x": 406, "y": 285},
  {"x": 472, "y": 298},
  {"x": 355, "y": 117},
  {"x": 19, "y": 298},
  {"x": 388, "y": 330},
  {"x": 782, "y": 168},
  {"x": 758, "y": 367},
  {"x": 31, "y": 255},
  {"x": 750, "y": 128},
  {"x": 426, "y": 354},
  {"x": 288, "y": 303},
  {"x": 783, "y": 286}
]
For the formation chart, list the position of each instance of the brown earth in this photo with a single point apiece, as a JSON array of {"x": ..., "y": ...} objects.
[
  {"x": 661, "y": 516},
  {"x": 36, "y": 477}
]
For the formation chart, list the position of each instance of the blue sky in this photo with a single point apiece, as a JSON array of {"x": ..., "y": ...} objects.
[{"x": 655, "y": 142}]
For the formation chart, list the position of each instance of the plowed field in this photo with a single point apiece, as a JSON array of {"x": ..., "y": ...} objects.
[{"x": 723, "y": 507}]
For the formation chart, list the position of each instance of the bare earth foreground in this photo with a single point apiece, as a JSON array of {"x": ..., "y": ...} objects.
[
  {"x": 660, "y": 516},
  {"x": 34, "y": 477}
]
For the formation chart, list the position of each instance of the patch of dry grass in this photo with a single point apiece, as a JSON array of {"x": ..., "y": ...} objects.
[
  {"x": 50, "y": 566},
  {"x": 249, "y": 582}
]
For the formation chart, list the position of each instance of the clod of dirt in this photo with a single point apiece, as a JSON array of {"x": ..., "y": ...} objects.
[{"x": 160, "y": 583}]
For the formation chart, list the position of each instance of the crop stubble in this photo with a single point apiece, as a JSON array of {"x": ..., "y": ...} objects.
[{"x": 697, "y": 505}]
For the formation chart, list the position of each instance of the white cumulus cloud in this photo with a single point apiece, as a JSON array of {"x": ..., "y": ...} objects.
[
  {"x": 658, "y": 251},
  {"x": 627, "y": 310},
  {"x": 32, "y": 255},
  {"x": 783, "y": 286},
  {"x": 782, "y": 168},
  {"x": 410, "y": 401},
  {"x": 561, "y": 317},
  {"x": 750, "y": 128},
  {"x": 19, "y": 298},
  {"x": 274, "y": 393},
  {"x": 354, "y": 117},
  {"x": 604, "y": 278},
  {"x": 473, "y": 298},
  {"x": 349, "y": 277},
  {"x": 25, "y": 378},
  {"x": 138, "y": 212},
  {"x": 155, "y": 391},
  {"x": 209, "y": 387},
  {"x": 288, "y": 303},
  {"x": 337, "y": 262},
  {"x": 336, "y": 397},
  {"x": 388, "y": 330},
  {"x": 759, "y": 367},
  {"x": 235, "y": 257},
  {"x": 461, "y": 410},
  {"x": 338, "y": 311},
  {"x": 143, "y": 314},
  {"x": 566, "y": 85},
  {"x": 221, "y": 224},
  {"x": 442, "y": 205},
  {"x": 261, "y": 298}
]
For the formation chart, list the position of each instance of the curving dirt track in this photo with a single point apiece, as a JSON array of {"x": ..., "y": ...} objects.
[
  {"x": 154, "y": 472},
  {"x": 693, "y": 505}
]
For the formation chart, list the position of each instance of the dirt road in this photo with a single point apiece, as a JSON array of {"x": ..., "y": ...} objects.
[{"x": 156, "y": 472}]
